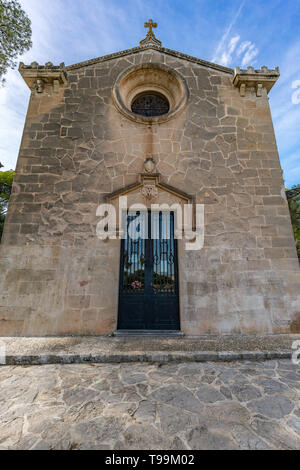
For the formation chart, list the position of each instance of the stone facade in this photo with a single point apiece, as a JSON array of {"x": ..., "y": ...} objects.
[{"x": 58, "y": 278}]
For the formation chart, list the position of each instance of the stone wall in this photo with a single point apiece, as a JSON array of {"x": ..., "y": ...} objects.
[{"x": 57, "y": 278}]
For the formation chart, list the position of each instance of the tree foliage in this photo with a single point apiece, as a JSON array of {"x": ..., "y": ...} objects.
[
  {"x": 6, "y": 181},
  {"x": 294, "y": 205},
  {"x": 15, "y": 34}
]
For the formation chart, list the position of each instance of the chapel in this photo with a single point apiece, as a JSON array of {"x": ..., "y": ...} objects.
[{"x": 148, "y": 126}]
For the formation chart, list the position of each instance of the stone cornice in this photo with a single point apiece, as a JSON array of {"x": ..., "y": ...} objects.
[
  {"x": 164, "y": 50},
  {"x": 37, "y": 76},
  {"x": 258, "y": 79}
]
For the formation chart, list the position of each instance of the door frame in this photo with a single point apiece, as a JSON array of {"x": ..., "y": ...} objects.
[{"x": 177, "y": 280}]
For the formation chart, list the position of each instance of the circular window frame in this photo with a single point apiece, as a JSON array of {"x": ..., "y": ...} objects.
[{"x": 177, "y": 94}]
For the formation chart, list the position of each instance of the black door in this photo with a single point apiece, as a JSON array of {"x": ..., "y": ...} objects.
[{"x": 148, "y": 298}]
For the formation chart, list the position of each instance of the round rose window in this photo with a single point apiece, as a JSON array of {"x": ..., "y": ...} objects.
[
  {"x": 150, "y": 93},
  {"x": 150, "y": 104}
]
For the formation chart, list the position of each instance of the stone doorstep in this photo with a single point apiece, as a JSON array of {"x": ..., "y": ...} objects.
[
  {"x": 164, "y": 349},
  {"x": 158, "y": 357},
  {"x": 148, "y": 333}
]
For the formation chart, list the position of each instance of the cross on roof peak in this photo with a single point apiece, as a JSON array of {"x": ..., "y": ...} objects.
[
  {"x": 150, "y": 24},
  {"x": 150, "y": 38}
]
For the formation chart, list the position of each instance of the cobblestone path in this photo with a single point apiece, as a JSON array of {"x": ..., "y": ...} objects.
[{"x": 240, "y": 405}]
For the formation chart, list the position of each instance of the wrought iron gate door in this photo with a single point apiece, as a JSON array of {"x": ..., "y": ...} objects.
[{"x": 148, "y": 298}]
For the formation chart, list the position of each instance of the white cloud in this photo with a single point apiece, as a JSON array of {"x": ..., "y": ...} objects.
[
  {"x": 227, "y": 55},
  {"x": 243, "y": 47},
  {"x": 233, "y": 42},
  {"x": 221, "y": 46},
  {"x": 227, "y": 51},
  {"x": 250, "y": 53},
  {"x": 232, "y": 54}
]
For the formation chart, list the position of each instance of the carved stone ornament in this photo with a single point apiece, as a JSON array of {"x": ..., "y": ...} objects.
[
  {"x": 149, "y": 191},
  {"x": 149, "y": 165},
  {"x": 39, "y": 85}
]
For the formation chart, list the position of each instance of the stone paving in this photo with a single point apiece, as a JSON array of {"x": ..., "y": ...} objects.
[{"x": 236, "y": 405}]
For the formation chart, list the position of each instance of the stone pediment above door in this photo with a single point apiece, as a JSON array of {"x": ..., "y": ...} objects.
[{"x": 149, "y": 190}]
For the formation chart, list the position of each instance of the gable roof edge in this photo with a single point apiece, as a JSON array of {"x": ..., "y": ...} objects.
[{"x": 135, "y": 50}]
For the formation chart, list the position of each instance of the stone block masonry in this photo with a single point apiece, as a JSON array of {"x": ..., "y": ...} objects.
[{"x": 58, "y": 278}]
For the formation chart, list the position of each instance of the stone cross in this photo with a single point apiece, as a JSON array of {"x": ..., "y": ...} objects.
[
  {"x": 150, "y": 39},
  {"x": 150, "y": 24}
]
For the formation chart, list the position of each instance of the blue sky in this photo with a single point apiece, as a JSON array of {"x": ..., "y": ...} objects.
[{"x": 229, "y": 32}]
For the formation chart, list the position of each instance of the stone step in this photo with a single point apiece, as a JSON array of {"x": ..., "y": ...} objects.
[
  {"x": 121, "y": 349},
  {"x": 157, "y": 357},
  {"x": 149, "y": 333}
]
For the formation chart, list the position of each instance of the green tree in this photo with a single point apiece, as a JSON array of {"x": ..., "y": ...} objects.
[
  {"x": 15, "y": 34},
  {"x": 6, "y": 181},
  {"x": 294, "y": 204}
]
